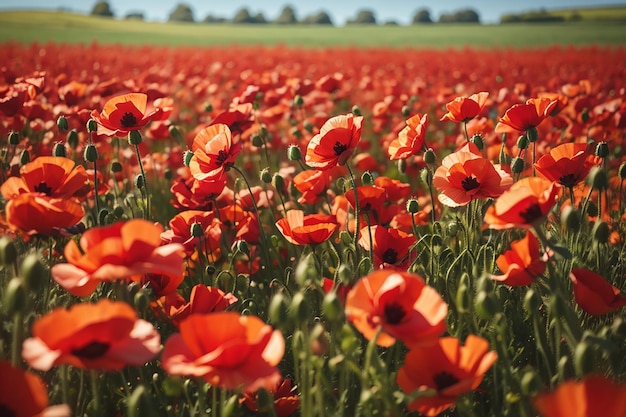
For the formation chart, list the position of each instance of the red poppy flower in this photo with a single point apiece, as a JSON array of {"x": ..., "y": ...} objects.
[
  {"x": 522, "y": 117},
  {"x": 124, "y": 113},
  {"x": 593, "y": 396},
  {"x": 390, "y": 246},
  {"x": 203, "y": 300},
  {"x": 313, "y": 184},
  {"x": 243, "y": 223},
  {"x": 410, "y": 140},
  {"x": 286, "y": 399},
  {"x": 464, "y": 109},
  {"x": 371, "y": 198},
  {"x": 162, "y": 285},
  {"x": 399, "y": 302},
  {"x": 594, "y": 294},
  {"x": 125, "y": 250},
  {"x": 526, "y": 204},
  {"x": 465, "y": 176},
  {"x": 106, "y": 335},
  {"x": 521, "y": 264},
  {"x": 36, "y": 214},
  {"x": 51, "y": 176},
  {"x": 568, "y": 163},
  {"x": 395, "y": 190},
  {"x": 181, "y": 230},
  {"x": 190, "y": 193},
  {"x": 24, "y": 394},
  {"x": 446, "y": 367},
  {"x": 214, "y": 151},
  {"x": 335, "y": 143},
  {"x": 238, "y": 118},
  {"x": 238, "y": 351},
  {"x": 311, "y": 229}
]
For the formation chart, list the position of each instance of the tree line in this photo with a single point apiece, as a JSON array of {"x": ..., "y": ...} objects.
[{"x": 184, "y": 13}]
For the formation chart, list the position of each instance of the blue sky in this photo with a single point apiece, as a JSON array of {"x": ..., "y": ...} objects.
[{"x": 399, "y": 10}]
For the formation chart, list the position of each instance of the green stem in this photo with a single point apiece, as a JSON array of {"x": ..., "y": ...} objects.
[
  {"x": 95, "y": 190},
  {"x": 145, "y": 183},
  {"x": 357, "y": 215},
  {"x": 18, "y": 335},
  {"x": 95, "y": 391}
]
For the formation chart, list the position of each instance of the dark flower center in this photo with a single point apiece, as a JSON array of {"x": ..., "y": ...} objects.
[
  {"x": 128, "y": 120},
  {"x": 43, "y": 188},
  {"x": 390, "y": 256},
  {"x": 532, "y": 213},
  {"x": 91, "y": 351},
  {"x": 394, "y": 313},
  {"x": 6, "y": 411},
  {"x": 444, "y": 380},
  {"x": 568, "y": 180},
  {"x": 339, "y": 148},
  {"x": 469, "y": 183},
  {"x": 222, "y": 156}
]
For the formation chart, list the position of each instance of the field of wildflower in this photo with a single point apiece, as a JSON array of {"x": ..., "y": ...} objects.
[{"x": 274, "y": 231}]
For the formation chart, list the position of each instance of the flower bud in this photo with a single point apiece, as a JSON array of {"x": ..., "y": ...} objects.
[
  {"x": 583, "y": 359},
  {"x": 33, "y": 272},
  {"x": 175, "y": 133},
  {"x": 72, "y": 139},
  {"x": 62, "y": 124},
  {"x": 141, "y": 301},
  {"x": 14, "y": 300},
  {"x": 242, "y": 247},
  {"x": 265, "y": 175},
  {"x": 426, "y": 176},
  {"x": 453, "y": 228},
  {"x": 196, "y": 230},
  {"x": 462, "y": 298},
  {"x": 406, "y": 111},
  {"x": 210, "y": 269},
  {"x": 102, "y": 216},
  {"x": 517, "y": 165},
  {"x": 264, "y": 401},
  {"x": 91, "y": 153},
  {"x": 14, "y": 138},
  {"x": 257, "y": 141},
  {"x": 602, "y": 150},
  {"x": 8, "y": 252},
  {"x": 532, "y": 134},
  {"x": 24, "y": 157},
  {"x": 187, "y": 157},
  {"x": 279, "y": 183},
  {"x": 208, "y": 107},
  {"x": 138, "y": 403},
  {"x": 331, "y": 307},
  {"x": 530, "y": 383},
  {"x": 367, "y": 179},
  {"x": 299, "y": 310},
  {"x": 349, "y": 341},
  {"x": 356, "y": 110},
  {"x": 59, "y": 150},
  {"x": 429, "y": 156},
  {"x": 522, "y": 142},
  {"x": 485, "y": 305},
  {"x": 298, "y": 100},
  {"x": 345, "y": 275},
  {"x": 307, "y": 271},
  {"x": 584, "y": 115},
  {"x": 92, "y": 126},
  {"x": 570, "y": 219},
  {"x": 139, "y": 181},
  {"x": 319, "y": 340},
  {"x": 622, "y": 171},
  {"x": 412, "y": 206},
  {"x": 294, "y": 153},
  {"x": 478, "y": 141},
  {"x": 601, "y": 232},
  {"x": 401, "y": 164},
  {"x": 277, "y": 310},
  {"x": 598, "y": 179},
  {"x": 134, "y": 137},
  {"x": 308, "y": 126}
]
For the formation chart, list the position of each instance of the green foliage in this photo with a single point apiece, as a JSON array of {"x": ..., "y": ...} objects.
[
  {"x": 364, "y": 17},
  {"x": 320, "y": 18},
  {"x": 287, "y": 16},
  {"x": 182, "y": 13},
  {"x": 422, "y": 16},
  {"x": 102, "y": 9}
]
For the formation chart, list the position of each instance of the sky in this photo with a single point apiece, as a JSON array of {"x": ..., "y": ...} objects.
[{"x": 400, "y": 11}]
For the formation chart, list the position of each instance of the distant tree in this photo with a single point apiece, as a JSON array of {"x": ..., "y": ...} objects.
[
  {"x": 320, "y": 18},
  {"x": 510, "y": 18},
  {"x": 466, "y": 16},
  {"x": 134, "y": 16},
  {"x": 575, "y": 16},
  {"x": 259, "y": 18},
  {"x": 102, "y": 9},
  {"x": 287, "y": 16},
  {"x": 243, "y": 16},
  {"x": 446, "y": 18},
  {"x": 214, "y": 19},
  {"x": 182, "y": 13},
  {"x": 364, "y": 17},
  {"x": 391, "y": 23},
  {"x": 422, "y": 16}
]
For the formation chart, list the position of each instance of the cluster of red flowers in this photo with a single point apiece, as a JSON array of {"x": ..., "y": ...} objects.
[{"x": 503, "y": 165}]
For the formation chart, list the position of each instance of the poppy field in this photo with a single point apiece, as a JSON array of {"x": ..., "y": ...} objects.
[{"x": 279, "y": 231}]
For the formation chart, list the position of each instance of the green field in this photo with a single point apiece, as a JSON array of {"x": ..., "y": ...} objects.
[{"x": 36, "y": 26}]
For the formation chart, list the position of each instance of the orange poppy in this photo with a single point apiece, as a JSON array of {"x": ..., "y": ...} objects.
[
  {"x": 286, "y": 399},
  {"x": 106, "y": 335},
  {"x": 239, "y": 352},
  {"x": 464, "y": 109},
  {"x": 51, "y": 176},
  {"x": 371, "y": 198},
  {"x": 465, "y": 176},
  {"x": 446, "y": 367},
  {"x": 521, "y": 264},
  {"x": 568, "y": 163},
  {"x": 189, "y": 193},
  {"x": 522, "y": 117},
  {"x": 395, "y": 190},
  {"x": 214, "y": 151},
  {"x": 162, "y": 285},
  {"x": 526, "y": 204},
  {"x": 181, "y": 225},
  {"x": 390, "y": 246},
  {"x": 24, "y": 394},
  {"x": 36, "y": 214},
  {"x": 594, "y": 294},
  {"x": 203, "y": 300},
  {"x": 410, "y": 140},
  {"x": 311, "y": 229},
  {"x": 401, "y": 304},
  {"x": 124, "y": 113},
  {"x": 238, "y": 118},
  {"x": 313, "y": 184},
  {"x": 335, "y": 143},
  {"x": 243, "y": 223},
  {"x": 124, "y": 250},
  {"x": 593, "y": 396}
]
